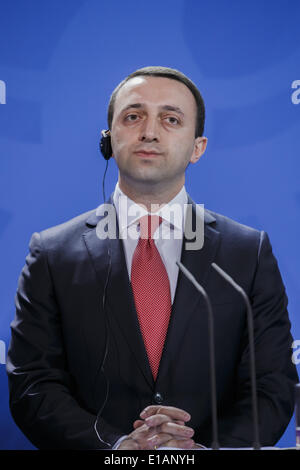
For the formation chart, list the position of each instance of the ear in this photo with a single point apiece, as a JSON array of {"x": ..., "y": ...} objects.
[{"x": 199, "y": 149}]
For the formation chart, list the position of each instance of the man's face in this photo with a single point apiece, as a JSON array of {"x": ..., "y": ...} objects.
[{"x": 153, "y": 132}]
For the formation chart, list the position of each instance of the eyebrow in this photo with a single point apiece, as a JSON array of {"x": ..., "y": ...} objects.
[{"x": 165, "y": 107}]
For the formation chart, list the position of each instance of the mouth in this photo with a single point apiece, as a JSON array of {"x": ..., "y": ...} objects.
[{"x": 147, "y": 153}]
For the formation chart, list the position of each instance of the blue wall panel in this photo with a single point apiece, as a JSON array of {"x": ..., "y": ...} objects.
[{"x": 60, "y": 60}]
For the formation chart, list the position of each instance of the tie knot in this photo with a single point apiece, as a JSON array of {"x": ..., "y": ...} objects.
[{"x": 148, "y": 225}]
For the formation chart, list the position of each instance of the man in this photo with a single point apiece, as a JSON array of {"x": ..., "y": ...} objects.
[{"x": 109, "y": 345}]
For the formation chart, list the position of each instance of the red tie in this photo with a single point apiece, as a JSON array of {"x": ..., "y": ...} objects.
[{"x": 151, "y": 290}]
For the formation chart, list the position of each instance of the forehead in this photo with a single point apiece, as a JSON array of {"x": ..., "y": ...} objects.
[{"x": 156, "y": 91}]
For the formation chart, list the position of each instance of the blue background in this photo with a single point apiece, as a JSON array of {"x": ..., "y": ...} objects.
[{"x": 60, "y": 61}]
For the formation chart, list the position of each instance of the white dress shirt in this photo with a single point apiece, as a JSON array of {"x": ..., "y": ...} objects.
[{"x": 168, "y": 237}]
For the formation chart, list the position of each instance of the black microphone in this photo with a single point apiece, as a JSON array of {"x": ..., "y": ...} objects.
[
  {"x": 186, "y": 272},
  {"x": 239, "y": 289}
]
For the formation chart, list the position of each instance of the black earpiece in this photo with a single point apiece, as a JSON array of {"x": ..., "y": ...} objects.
[{"x": 105, "y": 144}]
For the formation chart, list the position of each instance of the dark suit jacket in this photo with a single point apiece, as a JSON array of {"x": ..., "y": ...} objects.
[{"x": 74, "y": 289}]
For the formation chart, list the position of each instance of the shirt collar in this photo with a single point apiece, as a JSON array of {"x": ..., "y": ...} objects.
[{"x": 129, "y": 212}]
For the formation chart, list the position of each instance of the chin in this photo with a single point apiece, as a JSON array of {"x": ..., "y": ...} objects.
[
  {"x": 145, "y": 175},
  {"x": 150, "y": 177}
]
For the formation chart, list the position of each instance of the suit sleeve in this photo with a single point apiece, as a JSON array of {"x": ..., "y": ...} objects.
[
  {"x": 275, "y": 372},
  {"x": 42, "y": 391}
]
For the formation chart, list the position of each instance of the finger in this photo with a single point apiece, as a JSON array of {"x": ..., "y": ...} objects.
[
  {"x": 180, "y": 443},
  {"x": 141, "y": 430},
  {"x": 181, "y": 423},
  {"x": 178, "y": 432},
  {"x": 149, "y": 439},
  {"x": 158, "y": 440},
  {"x": 144, "y": 432},
  {"x": 140, "y": 422},
  {"x": 171, "y": 411},
  {"x": 166, "y": 440},
  {"x": 163, "y": 424},
  {"x": 129, "y": 444}
]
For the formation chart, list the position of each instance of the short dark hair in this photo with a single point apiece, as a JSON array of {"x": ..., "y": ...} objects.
[{"x": 173, "y": 74}]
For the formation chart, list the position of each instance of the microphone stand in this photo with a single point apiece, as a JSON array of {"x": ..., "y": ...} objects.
[
  {"x": 215, "y": 444},
  {"x": 256, "y": 444}
]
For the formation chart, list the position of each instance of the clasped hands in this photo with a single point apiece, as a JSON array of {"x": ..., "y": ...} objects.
[{"x": 160, "y": 426}]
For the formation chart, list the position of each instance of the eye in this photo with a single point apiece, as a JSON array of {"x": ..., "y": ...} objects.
[
  {"x": 131, "y": 117},
  {"x": 172, "y": 120}
]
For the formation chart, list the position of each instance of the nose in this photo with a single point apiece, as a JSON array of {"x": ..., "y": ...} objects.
[{"x": 149, "y": 130}]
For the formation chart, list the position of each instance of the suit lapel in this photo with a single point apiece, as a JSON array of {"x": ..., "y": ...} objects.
[
  {"x": 187, "y": 298},
  {"x": 93, "y": 326},
  {"x": 108, "y": 256}
]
